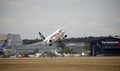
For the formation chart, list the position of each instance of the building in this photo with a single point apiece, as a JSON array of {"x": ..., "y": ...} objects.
[
  {"x": 2, "y": 38},
  {"x": 105, "y": 46},
  {"x": 12, "y": 40},
  {"x": 77, "y": 47}
]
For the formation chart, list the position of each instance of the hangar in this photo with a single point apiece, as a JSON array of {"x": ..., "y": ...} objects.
[{"x": 107, "y": 46}]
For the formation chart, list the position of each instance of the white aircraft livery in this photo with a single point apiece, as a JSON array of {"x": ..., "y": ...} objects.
[{"x": 58, "y": 35}]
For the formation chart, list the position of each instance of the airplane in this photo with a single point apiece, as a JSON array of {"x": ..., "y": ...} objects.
[{"x": 58, "y": 35}]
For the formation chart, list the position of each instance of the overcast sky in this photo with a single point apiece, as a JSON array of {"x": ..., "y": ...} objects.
[{"x": 78, "y": 18}]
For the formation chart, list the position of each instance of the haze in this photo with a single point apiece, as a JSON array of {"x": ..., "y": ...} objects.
[{"x": 78, "y": 18}]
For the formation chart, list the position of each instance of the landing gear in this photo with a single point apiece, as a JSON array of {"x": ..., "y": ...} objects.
[{"x": 50, "y": 44}]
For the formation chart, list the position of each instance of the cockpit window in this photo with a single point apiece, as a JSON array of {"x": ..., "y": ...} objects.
[{"x": 60, "y": 30}]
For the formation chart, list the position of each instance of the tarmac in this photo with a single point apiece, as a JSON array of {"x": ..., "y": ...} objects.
[
  {"x": 61, "y": 64},
  {"x": 81, "y": 58}
]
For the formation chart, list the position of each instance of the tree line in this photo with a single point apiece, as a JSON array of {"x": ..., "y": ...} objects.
[{"x": 71, "y": 40}]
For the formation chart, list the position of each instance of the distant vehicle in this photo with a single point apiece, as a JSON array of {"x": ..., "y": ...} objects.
[
  {"x": 58, "y": 35},
  {"x": 58, "y": 54},
  {"x": 83, "y": 54},
  {"x": 37, "y": 55}
]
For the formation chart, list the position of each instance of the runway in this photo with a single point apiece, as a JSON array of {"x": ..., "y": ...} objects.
[
  {"x": 87, "y": 63},
  {"x": 61, "y": 64},
  {"x": 81, "y": 58}
]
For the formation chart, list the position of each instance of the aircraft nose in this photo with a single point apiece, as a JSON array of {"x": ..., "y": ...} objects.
[{"x": 63, "y": 31}]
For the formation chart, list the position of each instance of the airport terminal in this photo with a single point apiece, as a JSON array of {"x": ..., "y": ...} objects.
[{"x": 105, "y": 46}]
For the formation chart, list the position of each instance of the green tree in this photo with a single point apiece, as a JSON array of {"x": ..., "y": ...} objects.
[
  {"x": 66, "y": 50},
  {"x": 30, "y": 41},
  {"x": 49, "y": 53},
  {"x": 61, "y": 45},
  {"x": 87, "y": 47}
]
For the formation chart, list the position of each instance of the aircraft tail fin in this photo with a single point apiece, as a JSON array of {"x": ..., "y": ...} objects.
[
  {"x": 3, "y": 45},
  {"x": 42, "y": 37}
]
